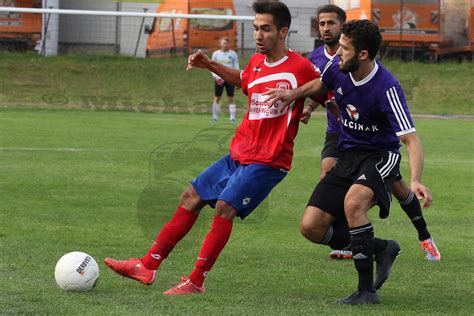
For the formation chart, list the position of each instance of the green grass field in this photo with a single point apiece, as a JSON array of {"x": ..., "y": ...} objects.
[
  {"x": 101, "y": 182},
  {"x": 163, "y": 85}
]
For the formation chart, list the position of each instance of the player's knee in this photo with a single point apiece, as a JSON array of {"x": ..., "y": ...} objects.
[
  {"x": 353, "y": 209},
  {"x": 312, "y": 231},
  {"x": 190, "y": 200},
  {"x": 223, "y": 209},
  {"x": 305, "y": 230}
]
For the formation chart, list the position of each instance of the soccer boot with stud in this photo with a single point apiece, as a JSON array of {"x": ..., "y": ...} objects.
[
  {"x": 360, "y": 297},
  {"x": 384, "y": 262},
  {"x": 344, "y": 253},
  {"x": 431, "y": 251},
  {"x": 185, "y": 287},
  {"x": 133, "y": 269}
]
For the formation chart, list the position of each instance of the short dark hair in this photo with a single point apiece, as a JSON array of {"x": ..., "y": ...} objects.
[
  {"x": 279, "y": 10},
  {"x": 331, "y": 8},
  {"x": 365, "y": 35}
]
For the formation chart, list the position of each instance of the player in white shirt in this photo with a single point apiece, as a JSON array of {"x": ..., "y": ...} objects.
[{"x": 229, "y": 58}]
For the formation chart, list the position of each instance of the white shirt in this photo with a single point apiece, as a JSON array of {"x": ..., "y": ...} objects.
[{"x": 228, "y": 59}]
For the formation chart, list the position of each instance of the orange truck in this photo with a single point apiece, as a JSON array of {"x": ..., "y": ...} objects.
[
  {"x": 432, "y": 27},
  {"x": 176, "y": 36},
  {"x": 20, "y": 31}
]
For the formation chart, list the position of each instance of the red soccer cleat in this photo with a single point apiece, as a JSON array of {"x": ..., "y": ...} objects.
[
  {"x": 133, "y": 269},
  {"x": 185, "y": 287}
]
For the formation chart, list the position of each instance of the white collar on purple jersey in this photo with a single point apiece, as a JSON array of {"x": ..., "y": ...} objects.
[
  {"x": 328, "y": 56},
  {"x": 366, "y": 79}
]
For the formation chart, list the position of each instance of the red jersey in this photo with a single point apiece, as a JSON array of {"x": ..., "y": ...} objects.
[{"x": 266, "y": 134}]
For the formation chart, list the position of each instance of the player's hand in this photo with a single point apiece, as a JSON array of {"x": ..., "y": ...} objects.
[
  {"x": 275, "y": 95},
  {"x": 306, "y": 115},
  {"x": 422, "y": 193},
  {"x": 198, "y": 59},
  {"x": 332, "y": 107},
  {"x": 220, "y": 82}
]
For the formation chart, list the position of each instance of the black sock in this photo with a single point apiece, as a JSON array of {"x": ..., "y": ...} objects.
[
  {"x": 337, "y": 236},
  {"x": 412, "y": 207},
  {"x": 362, "y": 244}
]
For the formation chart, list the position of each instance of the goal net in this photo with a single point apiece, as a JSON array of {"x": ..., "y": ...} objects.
[{"x": 131, "y": 29}]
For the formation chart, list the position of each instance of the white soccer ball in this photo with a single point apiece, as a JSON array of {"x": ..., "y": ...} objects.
[{"x": 77, "y": 272}]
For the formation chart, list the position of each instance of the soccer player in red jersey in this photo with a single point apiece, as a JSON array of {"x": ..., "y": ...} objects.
[{"x": 260, "y": 152}]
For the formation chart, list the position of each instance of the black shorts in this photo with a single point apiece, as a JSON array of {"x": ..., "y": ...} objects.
[
  {"x": 376, "y": 171},
  {"x": 218, "y": 90},
  {"x": 330, "y": 146}
]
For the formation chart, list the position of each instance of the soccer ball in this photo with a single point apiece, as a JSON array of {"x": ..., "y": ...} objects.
[{"x": 77, "y": 272}]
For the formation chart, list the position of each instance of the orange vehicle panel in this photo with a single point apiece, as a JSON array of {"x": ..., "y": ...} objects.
[
  {"x": 185, "y": 36},
  {"x": 166, "y": 32},
  {"x": 205, "y": 34},
  {"x": 418, "y": 22},
  {"x": 18, "y": 24},
  {"x": 442, "y": 26}
]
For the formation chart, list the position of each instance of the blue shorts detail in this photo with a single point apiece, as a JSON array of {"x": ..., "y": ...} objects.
[{"x": 242, "y": 186}]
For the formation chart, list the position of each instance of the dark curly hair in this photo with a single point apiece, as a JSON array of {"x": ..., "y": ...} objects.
[
  {"x": 365, "y": 35},
  {"x": 279, "y": 10}
]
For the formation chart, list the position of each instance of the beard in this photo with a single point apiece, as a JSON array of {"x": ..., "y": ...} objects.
[
  {"x": 331, "y": 41},
  {"x": 350, "y": 65}
]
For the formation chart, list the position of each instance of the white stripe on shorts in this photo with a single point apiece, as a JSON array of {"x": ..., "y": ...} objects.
[{"x": 389, "y": 165}]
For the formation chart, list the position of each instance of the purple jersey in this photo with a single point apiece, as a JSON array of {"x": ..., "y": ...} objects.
[
  {"x": 320, "y": 57},
  {"x": 374, "y": 112}
]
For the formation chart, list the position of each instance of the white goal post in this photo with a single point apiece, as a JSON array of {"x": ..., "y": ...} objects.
[
  {"x": 129, "y": 14},
  {"x": 118, "y": 32}
]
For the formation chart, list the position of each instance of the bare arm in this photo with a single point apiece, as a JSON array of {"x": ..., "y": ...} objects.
[
  {"x": 311, "y": 89},
  {"x": 201, "y": 60},
  {"x": 415, "y": 162}
]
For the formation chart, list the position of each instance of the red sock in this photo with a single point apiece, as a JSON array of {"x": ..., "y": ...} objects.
[
  {"x": 211, "y": 248},
  {"x": 171, "y": 233}
]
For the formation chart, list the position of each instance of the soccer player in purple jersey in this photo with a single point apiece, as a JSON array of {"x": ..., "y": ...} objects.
[
  {"x": 375, "y": 117},
  {"x": 330, "y": 20}
]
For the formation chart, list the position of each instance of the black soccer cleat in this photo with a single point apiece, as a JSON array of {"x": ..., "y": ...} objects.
[
  {"x": 384, "y": 262},
  {"x": 360, "y": 297}
]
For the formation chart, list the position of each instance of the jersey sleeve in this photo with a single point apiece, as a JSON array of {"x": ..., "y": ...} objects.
[
  {"x": 312, "y": 73},
  {"x": 329, "y": 74},
  {"x": 313, "y": 58},
  {"x": 395, "y": 107}
]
